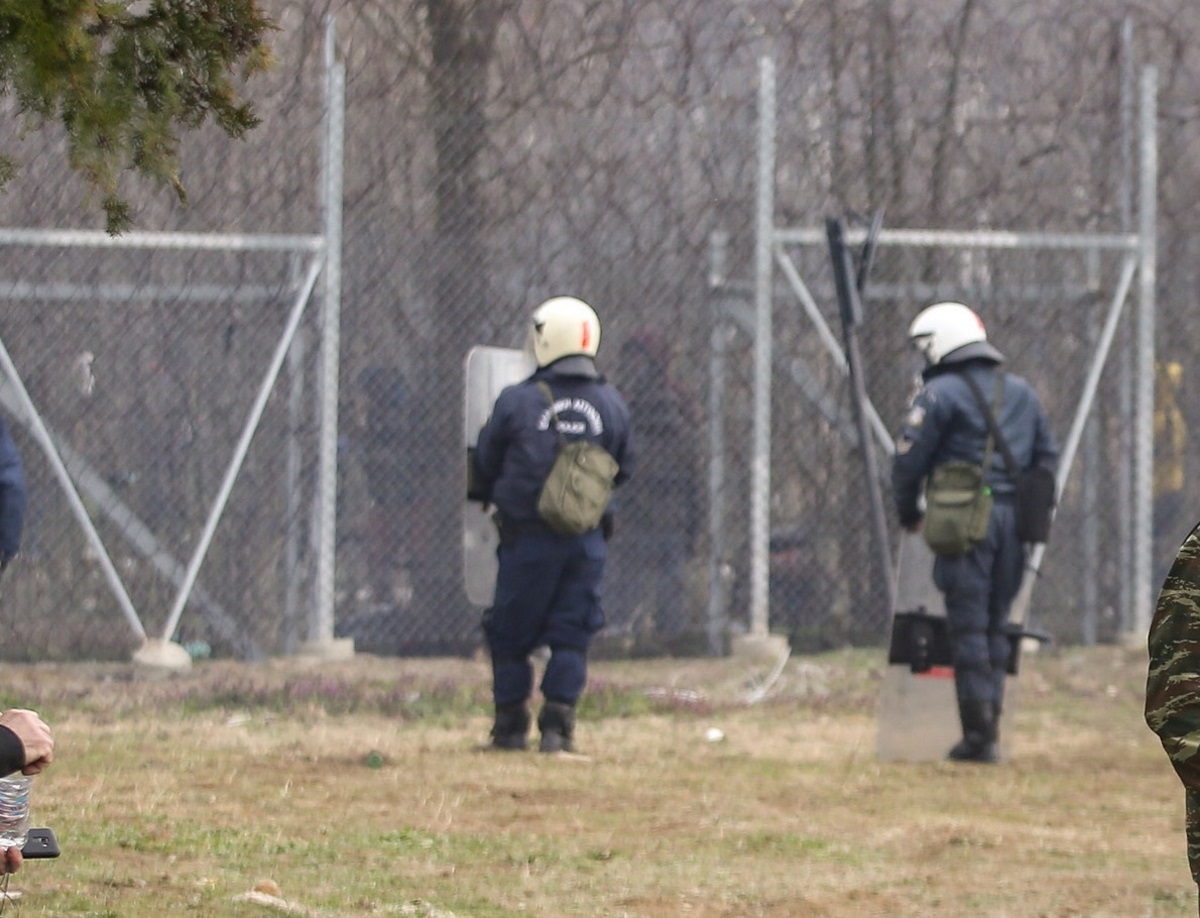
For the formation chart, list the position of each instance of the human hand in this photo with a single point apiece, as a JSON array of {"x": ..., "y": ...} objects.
[
  {"x": 35, "y": 736},
  {"x": 12, "y": 860}
]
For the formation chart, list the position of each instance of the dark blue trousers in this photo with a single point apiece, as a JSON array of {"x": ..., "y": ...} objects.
[
  {"x": 547, "y": 594},
  {"x": 979, "y": 589}
]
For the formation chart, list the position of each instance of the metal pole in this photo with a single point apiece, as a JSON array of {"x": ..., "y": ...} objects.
[
  {"x": 760, "y": 482},
  {"x": 1124, "y": 471},
  {"x": 320, "y": 635},
  {"x": 1088, "y": 573},
  {"x": 1144, "y": 407},
  {"x": 968, "y": 239},
  {"x": 717, "y": 372},
  {"x": 292, "y": 485},
  {"x": 209, "y": 242}
]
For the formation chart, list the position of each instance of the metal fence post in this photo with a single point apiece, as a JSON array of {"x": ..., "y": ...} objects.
[
  {"x": 320, "y": 641},
  {"x": 1143, "y": 506},
  {"x": 757, "y": 640}
]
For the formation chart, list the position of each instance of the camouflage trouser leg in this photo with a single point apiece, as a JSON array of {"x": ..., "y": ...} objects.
[
  {"x": 1192, "y": 800},
  {"x": 1173, "y": 680}
]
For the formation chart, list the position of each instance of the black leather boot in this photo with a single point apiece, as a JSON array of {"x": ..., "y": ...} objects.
[
  {"x": 979, "y": 734},
  {"x": 510, "y": 727},
  {"x": 557, "y": 723}
]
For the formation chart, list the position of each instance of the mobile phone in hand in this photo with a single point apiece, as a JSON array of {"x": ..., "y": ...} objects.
[{"x": 40, "y": 843}]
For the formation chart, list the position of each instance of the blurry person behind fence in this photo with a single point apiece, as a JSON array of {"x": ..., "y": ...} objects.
[
  {"x": 658, "y": 513},
  {"x": 390, "y": 523},
  {"x": 547, "y": 585}
]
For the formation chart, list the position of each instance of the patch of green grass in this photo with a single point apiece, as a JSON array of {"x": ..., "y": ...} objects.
[
  {"x": 785, "y": 845},
  {"x": 608, "y": 699}
]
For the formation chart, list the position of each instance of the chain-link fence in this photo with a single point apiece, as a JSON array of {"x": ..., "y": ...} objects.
[
  {"x": 1070, "y": 309},
  {"x": 133, "y": 380},
  {"x": 496, "y": 153}
]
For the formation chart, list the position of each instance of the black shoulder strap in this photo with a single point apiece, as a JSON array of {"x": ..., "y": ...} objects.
[
  {"x": 549, "y": 393},
  {"x": 990, "y": 414}
]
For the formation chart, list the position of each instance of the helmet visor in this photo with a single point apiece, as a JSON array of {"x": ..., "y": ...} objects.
[{"x": 923, "y": 345}]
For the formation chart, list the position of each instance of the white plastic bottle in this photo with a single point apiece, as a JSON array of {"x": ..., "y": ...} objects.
[{"x": 14, "y": 809}]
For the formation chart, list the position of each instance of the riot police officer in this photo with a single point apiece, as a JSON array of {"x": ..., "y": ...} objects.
[
  {"x": 547, "y": 585},
  {"x": 946, "y": 423}
]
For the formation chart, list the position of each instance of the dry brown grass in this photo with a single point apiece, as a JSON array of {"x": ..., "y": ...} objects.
[{"x": 179, "y": 795}]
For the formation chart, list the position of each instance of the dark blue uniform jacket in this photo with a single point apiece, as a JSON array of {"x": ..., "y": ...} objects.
[
  {"x": 517, "y": 446},
  {"x": 944, "y": 424}
]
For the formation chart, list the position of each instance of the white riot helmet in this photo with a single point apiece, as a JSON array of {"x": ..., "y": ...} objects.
[
  {"x": 942, "y": 328},
  {"x": 562, "y": 326}
]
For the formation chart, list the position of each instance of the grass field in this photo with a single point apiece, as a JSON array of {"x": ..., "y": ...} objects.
[{"x": 357, "y": 788}]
